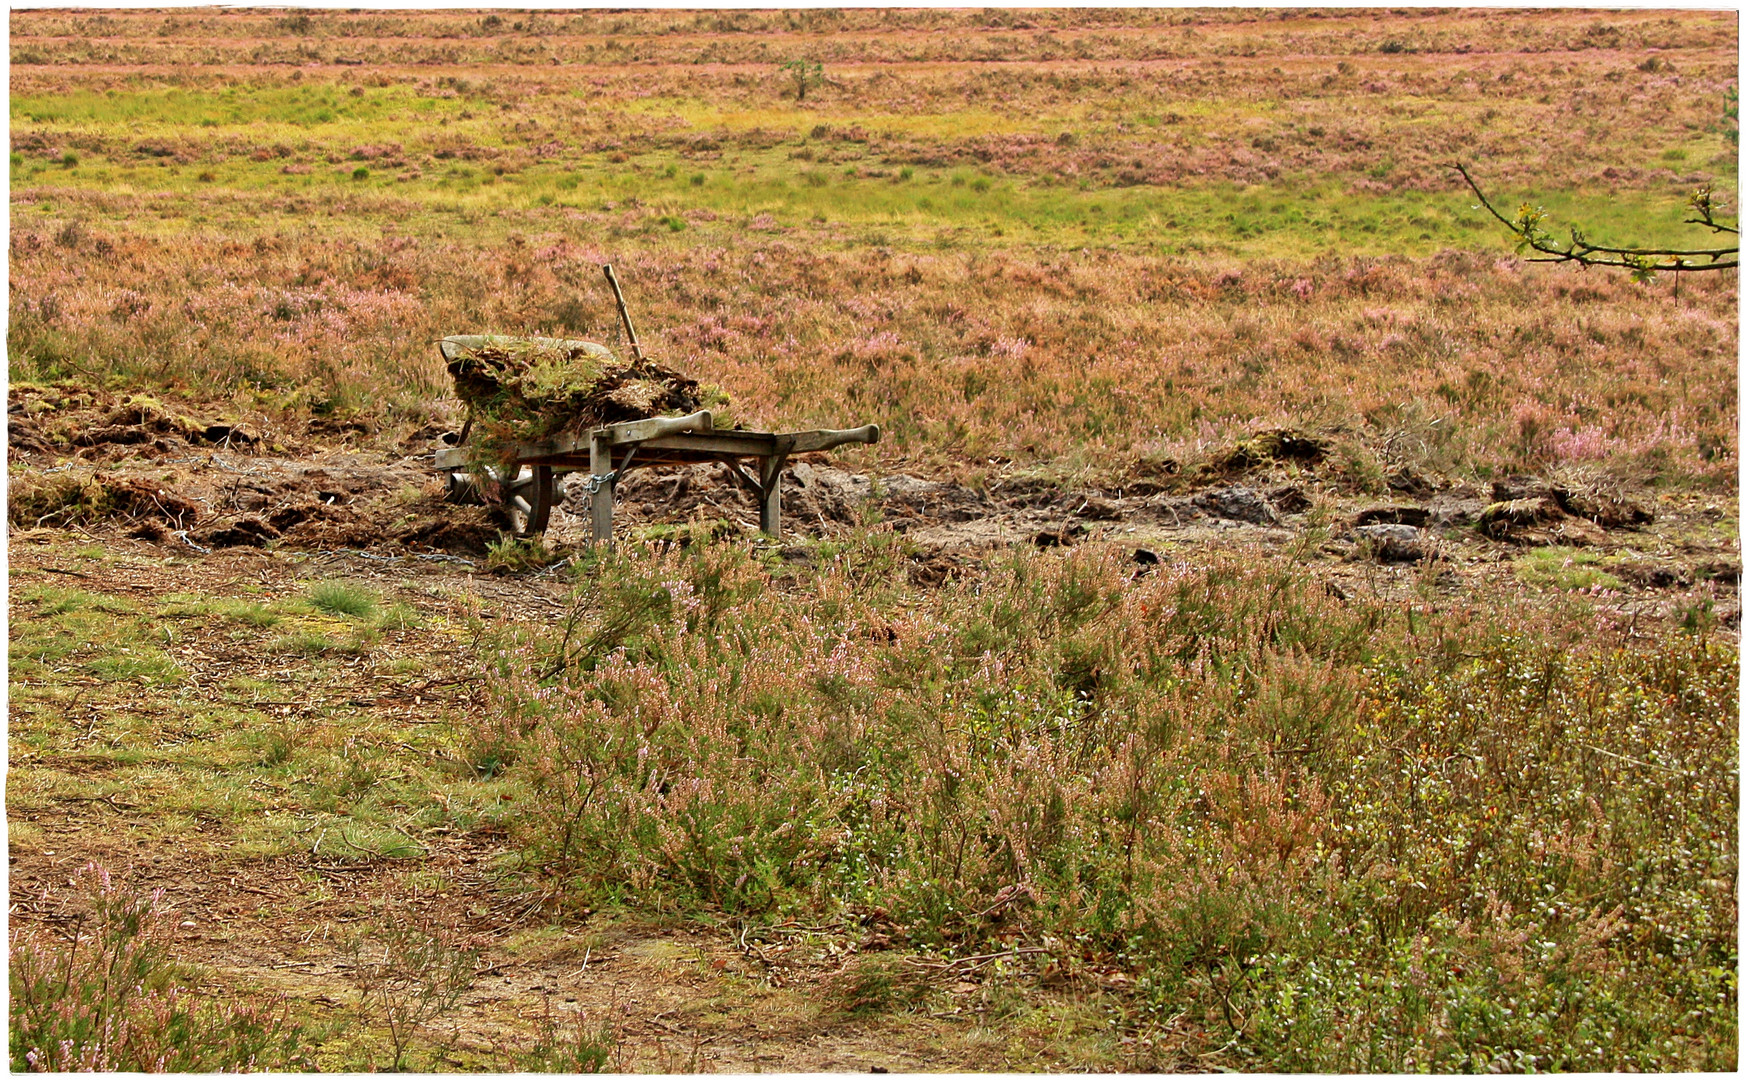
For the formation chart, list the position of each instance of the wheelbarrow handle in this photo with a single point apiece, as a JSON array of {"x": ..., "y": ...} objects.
[
  {"x": 808, "y": 441},
  {"x": 639, "y": 430}
]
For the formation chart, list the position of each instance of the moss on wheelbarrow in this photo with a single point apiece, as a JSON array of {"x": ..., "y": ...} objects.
[{"x": 525, "y": 391}]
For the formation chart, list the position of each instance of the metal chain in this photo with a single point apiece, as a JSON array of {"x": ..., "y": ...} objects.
[{"x": 596, "y": 481}]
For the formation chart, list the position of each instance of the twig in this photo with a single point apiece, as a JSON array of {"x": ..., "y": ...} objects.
[
  {"x": 976, "y": 962},
  {"x": 498, "y": 969},
  {"x": 1642, "y": 261},
  {"x": 106, "y": 800},
  {"x": 1635, "y": 761}
]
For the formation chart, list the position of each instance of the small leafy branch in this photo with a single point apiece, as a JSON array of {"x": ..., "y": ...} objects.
[
  {"x": 557, "y": 1047},
  {"x": 805, "y": 74},
  {"x": 1644, "y": 263}
]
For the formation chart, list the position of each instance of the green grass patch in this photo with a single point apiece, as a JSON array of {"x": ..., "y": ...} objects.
[
  {"x": 136, "y": 664},
  {"x": 343, "y": 598},
  {"x": 269, "y": 110},
  {"x": 304, "y": 643},
  {"x": 249, "y": 613},
  {"x": 1565, "y": 569},
  {"x": 1299, "y": 216}
]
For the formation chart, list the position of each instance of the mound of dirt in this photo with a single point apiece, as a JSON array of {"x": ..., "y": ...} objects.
[
  {"x": 1417, "y": 516},
  {"x": 524, "y": 391},
  {"x": 1608, "y": 511},
  {"x": 1652, "y": 574},
  {"x": 54, "y": 420},
  {"x": 1237, "y": 503},
  {"x": 1592, "y": 502},
  {"x": 1535, "y": 522},
  {"x": 71, "y": 500},
  {"x": 135, "y": 422},
  {"x": 1507, "y": 518},
  {"x": 1392, "y": 542},
  {"x": 1410, "y": 481},
  {"x": 460, "y": 537},
  {"x": 244, "y": 532}
]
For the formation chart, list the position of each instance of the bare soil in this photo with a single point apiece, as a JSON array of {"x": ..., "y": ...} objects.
[{"x": 230, "y": 484}]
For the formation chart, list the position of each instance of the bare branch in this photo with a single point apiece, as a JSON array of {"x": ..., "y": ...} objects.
[{"x": 1644, "y": 263}]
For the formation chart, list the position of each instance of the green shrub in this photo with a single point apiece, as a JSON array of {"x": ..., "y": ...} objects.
[{"x": 508, "y": 555}]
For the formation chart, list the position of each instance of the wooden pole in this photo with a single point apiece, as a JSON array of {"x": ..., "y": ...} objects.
[
  {"x": 600, "y": 486},
  {"x": 624, "y": 315},
  {"x": 770, "y": 477}
]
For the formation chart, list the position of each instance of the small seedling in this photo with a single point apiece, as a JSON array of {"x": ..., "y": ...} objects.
[
  {"x": 804, "y": 75},
  {"x": 559, "y": 1047},
  {"x": 510, "y": 555}
]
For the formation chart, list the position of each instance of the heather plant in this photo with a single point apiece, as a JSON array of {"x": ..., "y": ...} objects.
[
  {"x": 558, "y": 1047},
  {"x": 1323, "y": 836},
  {"x": 109, "y": 999},
  {"x": 410, "y": 969}
]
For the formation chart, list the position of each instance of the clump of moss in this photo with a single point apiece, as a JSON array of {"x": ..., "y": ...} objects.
[{"x": 1263, "y": 448}]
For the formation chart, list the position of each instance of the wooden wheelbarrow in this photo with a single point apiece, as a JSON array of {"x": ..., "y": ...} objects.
[{"x": 530, "y": 483}]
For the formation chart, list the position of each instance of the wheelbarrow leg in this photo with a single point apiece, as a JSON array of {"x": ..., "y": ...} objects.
[
  {"x": 600, "y": 487},
  {"x": 770, "y": 482}
]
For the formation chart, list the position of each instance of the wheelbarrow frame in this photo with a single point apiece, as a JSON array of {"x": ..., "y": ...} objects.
[{"x": 530, "y": 483}]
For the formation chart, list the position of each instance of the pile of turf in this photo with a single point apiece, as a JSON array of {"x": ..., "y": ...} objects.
[
  {"x": 521, "y": 392},
  {"x": 67, "y": 499}
]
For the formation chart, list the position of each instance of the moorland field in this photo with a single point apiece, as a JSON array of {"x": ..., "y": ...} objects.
[{"x": 1280, "y": 629}]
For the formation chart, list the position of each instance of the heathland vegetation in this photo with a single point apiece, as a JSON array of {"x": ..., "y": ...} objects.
[{"x": 1198, "y": 805}]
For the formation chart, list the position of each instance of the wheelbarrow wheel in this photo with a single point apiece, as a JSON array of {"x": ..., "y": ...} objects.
[{"x": 530, "y": 499}]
